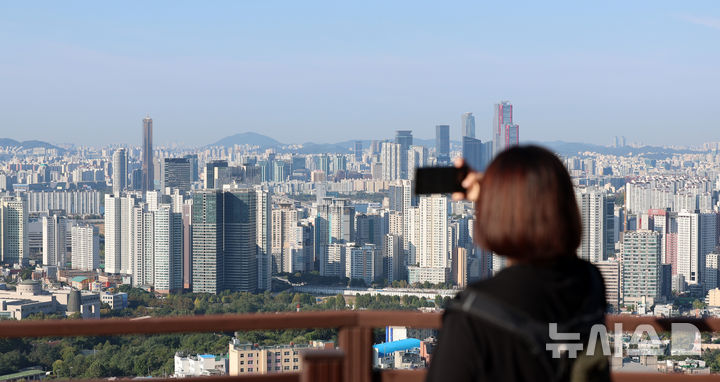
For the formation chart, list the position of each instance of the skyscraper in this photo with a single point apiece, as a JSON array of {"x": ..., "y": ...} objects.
[
  {"x": 442, "y": 143},
  {"x": 405, "y": 139},
  {"x": 263, "y": 236},
  {"x": 428, "y": 240},
  {"x": 120, "y": 171},
  {"x": 147, "y": 155},
  {"x": 284, "y": 224},
  {"x": 357, "y": 150},
  {"x": 167, "y": 251},
  {"x": 597, "y": 214},
  {"x": 13, "y": 230},
  {"x": 468, "y": 125},
  {"x": 207, "y": 244},
  {"x": 224, "y": 229},
  {"x": 210, "y": 172},
  {"x": 391, "y": 155},
  {"x": 118, "y": 211},
  {"x": 85, "y": 247},
  {"x": 175, "y": 173},
  {"x": 505, "y": 133},
  {"x": 54, "y": 229},
  {"x": 334, "y": 223},
  {"x": 697, "y": 237},
  {"x": 472, "y": 152}
]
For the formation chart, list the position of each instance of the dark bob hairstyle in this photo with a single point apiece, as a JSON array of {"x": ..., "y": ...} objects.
[{"x": 527, "y": 209}]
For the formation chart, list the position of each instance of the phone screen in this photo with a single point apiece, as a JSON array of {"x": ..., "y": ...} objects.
[{"x": 439, "y": 180}]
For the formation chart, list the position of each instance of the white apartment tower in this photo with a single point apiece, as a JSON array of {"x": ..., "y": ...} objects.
[
  {"x": 263, "y": 237},
  {"x": 697, "y": 237},
  {"x": 597, "y": 215},
  {"x": 85, "y": 248},
  {"x": 13, "y": 230},
  {"x": 54, "y": 233},
  {"x": 168, "y": 250}
]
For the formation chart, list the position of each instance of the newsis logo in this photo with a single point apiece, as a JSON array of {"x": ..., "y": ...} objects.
[{"x": 684, "y": 340}]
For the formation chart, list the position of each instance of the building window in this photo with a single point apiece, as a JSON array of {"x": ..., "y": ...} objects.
[
  {"x": 250, "y": 362},
  {"x": 295, "y": 367},
  {"x": 286, "y": 368},
  {"x": 250, "y": 370}
]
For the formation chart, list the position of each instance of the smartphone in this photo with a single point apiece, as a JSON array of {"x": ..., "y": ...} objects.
[{"x": 439, "y": 180}]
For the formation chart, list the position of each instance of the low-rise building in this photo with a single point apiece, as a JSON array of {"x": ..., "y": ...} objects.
[
  {"x": 200, "y": 365},
  {"x": 245, "y": 358},
  {"x": 115, "y": 300}
]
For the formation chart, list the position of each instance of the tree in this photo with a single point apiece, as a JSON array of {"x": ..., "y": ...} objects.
[{"x": 697, "y": 304}]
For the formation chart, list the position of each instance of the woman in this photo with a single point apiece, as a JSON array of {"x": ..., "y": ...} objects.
[{"x": 498, "y": 329}]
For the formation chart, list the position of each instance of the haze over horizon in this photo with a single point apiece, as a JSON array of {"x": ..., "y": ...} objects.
[{"x": 87, "y": 73}]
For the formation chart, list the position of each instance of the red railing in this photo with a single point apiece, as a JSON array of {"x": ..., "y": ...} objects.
[{"x": 352, "y": 362}]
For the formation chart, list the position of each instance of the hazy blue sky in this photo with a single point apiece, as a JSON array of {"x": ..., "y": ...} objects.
[{"x": 88, "y": 72}]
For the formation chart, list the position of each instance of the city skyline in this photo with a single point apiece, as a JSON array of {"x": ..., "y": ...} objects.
[{"x": 328, "y": 72}]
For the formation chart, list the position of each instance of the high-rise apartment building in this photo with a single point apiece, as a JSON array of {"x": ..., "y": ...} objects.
[
  {"x": 334, "y": 223},
  {"x": 264, "y": 236},
  {"x": 284, "y": 226},
  {"x": 468, "y": 125},
  {"x": 394, "y": 265},
  {"x": 13, "y": 233},
  {"x": 697, "y": 237},
  {"x": 641, "y": 266},
  {"x": 442, "y": 143},
  {"x": 118, "y": 211},
  {"x": 54, "y": 233},
  {"x": 175, "y": 173},
  {"x": 391, "y": 158},
  {"x": 167, "y": 250},
  {"x": 428, "y": 239},
  {"x": 597, "y": 213},
  {"x": 360, "y": 262},
  {"x": 85, "y": 247},
  {"x": 148, "y": 173},
  {"x": 417, "y": 157},
  {"x": 120, "y": 171}
]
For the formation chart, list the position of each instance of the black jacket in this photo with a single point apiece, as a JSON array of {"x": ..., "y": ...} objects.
[{"x": 472, "y": 349}]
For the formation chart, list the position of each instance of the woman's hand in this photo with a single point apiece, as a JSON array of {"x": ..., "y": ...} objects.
[{"x": 471, "y": 183}]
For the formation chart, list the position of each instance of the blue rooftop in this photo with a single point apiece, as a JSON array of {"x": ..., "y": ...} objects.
[
  {"x": 206, "y": 356},
  {"x": 390, "y": 347}
]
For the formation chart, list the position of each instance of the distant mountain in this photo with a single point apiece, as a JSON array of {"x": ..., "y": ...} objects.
[
  {"x": 346, "y": 147},
  {"x": 249, "y": 138},
  {"x": 7, "y": 142},
  {"x": 572, "y": 148}
]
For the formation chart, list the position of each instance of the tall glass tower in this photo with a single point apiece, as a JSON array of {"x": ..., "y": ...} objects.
[
  {"x": 442, "y": 143},
  {"x": 147, "y": 155},
  {"x": 468, "y": 125},
  {"x": 405, "y": 139}
]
